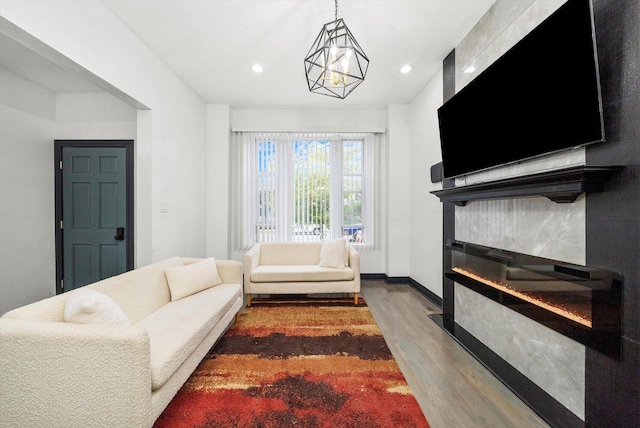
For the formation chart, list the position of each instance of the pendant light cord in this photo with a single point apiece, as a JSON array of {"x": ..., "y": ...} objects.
[{"x": 336, "y": 10}]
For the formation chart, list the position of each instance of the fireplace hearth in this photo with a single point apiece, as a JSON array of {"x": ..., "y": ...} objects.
[{"x": 580, "y": 302}]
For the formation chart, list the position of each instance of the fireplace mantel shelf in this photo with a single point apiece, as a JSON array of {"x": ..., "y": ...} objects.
[{"x": 561, "y": 185}]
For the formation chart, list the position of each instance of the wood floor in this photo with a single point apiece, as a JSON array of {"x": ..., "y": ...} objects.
[{"x": 454, "y": 390}]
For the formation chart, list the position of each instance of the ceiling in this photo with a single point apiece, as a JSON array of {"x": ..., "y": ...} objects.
[{"x": 213, "y": 44}]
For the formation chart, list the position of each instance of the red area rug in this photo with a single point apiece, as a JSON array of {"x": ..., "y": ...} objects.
[{"x": 297, "y": 363}]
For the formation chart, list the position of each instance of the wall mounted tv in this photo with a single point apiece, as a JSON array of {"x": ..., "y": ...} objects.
[{"x": 541, "y": 96}]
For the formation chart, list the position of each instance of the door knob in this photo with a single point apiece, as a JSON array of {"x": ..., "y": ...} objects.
[{"x": 119, "y": 234}]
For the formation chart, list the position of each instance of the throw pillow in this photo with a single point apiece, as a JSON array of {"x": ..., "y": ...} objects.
[
  {"x": 88, "y": 306},
  {"x": 332, "y": 253},
  {"x": 187, "y": 280}
]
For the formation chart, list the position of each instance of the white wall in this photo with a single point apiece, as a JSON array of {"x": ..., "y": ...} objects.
[
  {"x": 425, "y": 208},
  {"x": 398, "y": 156},
  {"x": 27, "y": 126},
  {"x": 94, "y": 116},
  {"x": 218, "y": 184},
  {"x": 142, "y": 188},
  {"x": 31, "y": 119},
  {"x": 309, "y": 120},
  {"x": 171, "y": 158}
]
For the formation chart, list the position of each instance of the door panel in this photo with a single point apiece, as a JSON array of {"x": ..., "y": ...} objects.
[
  {"x": 109, "y": 260},
  {"x": 79, "y": 271},
  {"x": 94, "y": 205},
  {"x": 80, "y": 206}
]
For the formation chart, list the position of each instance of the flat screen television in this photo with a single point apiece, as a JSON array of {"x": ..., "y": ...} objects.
[{"x": 540, "y": 97}]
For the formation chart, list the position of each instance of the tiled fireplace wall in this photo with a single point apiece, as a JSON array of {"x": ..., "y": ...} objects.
[{"x": 537, "y": 226}]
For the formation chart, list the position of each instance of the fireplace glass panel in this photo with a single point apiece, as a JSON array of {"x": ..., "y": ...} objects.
[
  {"x": 536, "y": 284},
  {"x": 581, "y": 302}
]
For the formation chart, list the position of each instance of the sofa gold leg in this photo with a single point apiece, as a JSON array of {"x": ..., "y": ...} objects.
[
  {"x": 248, "y": 300},
  {"x": 355, "y": 299}
]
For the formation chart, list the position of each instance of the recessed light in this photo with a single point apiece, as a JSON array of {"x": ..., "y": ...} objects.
[
  {"x": 469, "y": 69},
  {"x": 257, "y": 68},
  {"x": 405, "y": 69}
]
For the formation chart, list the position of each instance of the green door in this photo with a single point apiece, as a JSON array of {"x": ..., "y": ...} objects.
[{"x": 94, "y": 206}]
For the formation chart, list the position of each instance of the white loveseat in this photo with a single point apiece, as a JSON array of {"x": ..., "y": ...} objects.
[
  {"x": 61, "y": 374},
  {"x": 298, "y": 268}
]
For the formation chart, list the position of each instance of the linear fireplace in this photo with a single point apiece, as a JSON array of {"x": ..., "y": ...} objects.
[{"x": 582, "y": 303}]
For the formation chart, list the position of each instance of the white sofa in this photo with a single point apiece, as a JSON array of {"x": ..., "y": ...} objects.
[
  {"x": 61, "y": 374},
  {"x": 295, "y": 268}
]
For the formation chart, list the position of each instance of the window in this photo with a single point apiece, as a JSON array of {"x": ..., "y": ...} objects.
[
  {"x": 311, "y": 188},
  {"x": 352, "y": 151},
  {"x": 304, "y": 187}
]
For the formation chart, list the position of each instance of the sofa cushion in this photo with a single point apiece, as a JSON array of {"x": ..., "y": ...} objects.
[
  {"x": 187, "y": 280},
  {"x": 176, "y": 329},
  {"x": 87, "y": 306},
  {"x": 290, "y": 253},
  {"x": 281, "y": 273},
  {"x": 333, "y": 253},
  {"x": 141, "y": 291}
]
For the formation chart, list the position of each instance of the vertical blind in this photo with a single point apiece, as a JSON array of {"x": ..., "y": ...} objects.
[{"x": 302, "y": 187}]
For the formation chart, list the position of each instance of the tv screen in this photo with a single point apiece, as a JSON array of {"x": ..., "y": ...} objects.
[{"x": 541, "y": 96}]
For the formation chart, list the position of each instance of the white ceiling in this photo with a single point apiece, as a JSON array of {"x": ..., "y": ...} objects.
[{"x": 212, "y": 45}]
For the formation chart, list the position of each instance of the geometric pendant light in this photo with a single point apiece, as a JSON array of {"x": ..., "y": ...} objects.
[{"x": 336, "y": 64}]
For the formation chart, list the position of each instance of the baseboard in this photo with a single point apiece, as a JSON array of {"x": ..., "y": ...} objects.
[
  {"x": 397, "y": 279},
  {"x": 373, "y": 276},
  {"x": 434, "y": 298}
]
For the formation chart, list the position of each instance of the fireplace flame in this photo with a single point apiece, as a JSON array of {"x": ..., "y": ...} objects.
[{"x": 529, "y": 297}]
